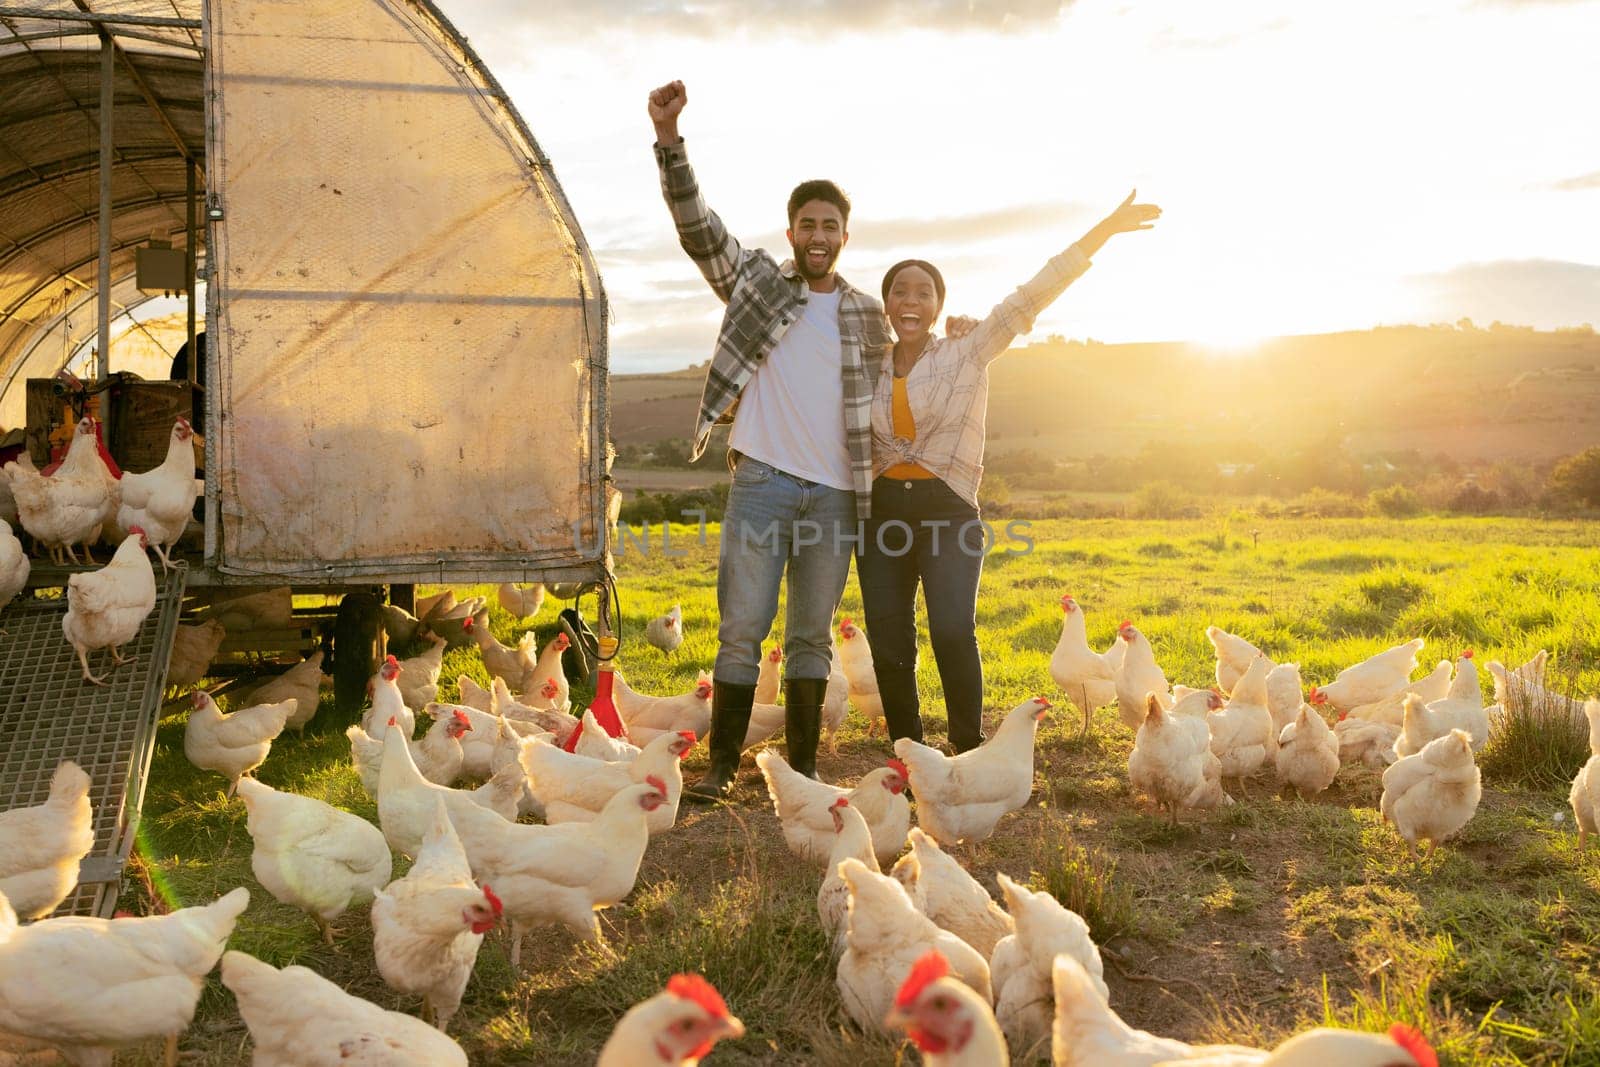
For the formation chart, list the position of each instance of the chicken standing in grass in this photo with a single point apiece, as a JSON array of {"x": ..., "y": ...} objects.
[
  {"x": 419, "y": 675},
  {"x": 949, "y": 1023},
  {"x": 1137, "y": 677},
  {"x": 666, "y": 631},
  {"x": 521, "y": 601},
  {"x": 193, "y": 649},
  {"x": 107, "y": 607},
  {"x": 855, "y": 659},
  {"x": 301, "y": 683},
  {"x": 1234, "y": 656},
  {"x": 767, "y": 676},
  {"x": 406, "y": 800},
  {"x": 1374, "y": 678},
  {"x": 1585, "y": 795},
  {"x": 88, "y": 986},
  {"x": 674, "y": 1028},
  {"x": 427, "y": 926},
  {"x": 1088, "y": 678},
  {"x": 1172, "y": 759},
  {"x": 41, "y": 846},
  {"x": 388, "y": 702},
  {"x": 1241, "y": 732},
  {"x": 851, "y": 840},
  {"x": 595, "y": 743},
  {"x": 1308, "y": 754},
  {"x": 311, "y": 855},
  {"x": 804, "y": 807},
  {"x": 962, "y": 798},
  {"x": 576, "y": 788},
  {"x": 1431, "y": 795},
  {"x": 884, "y": 936},
  {"x": 297, "y": 1018},
  {"x": 161, "y": 501},
  {"x": 233, "y": 745},
  {"x": 516, "y": 666},
  {"x": 648, "y": 717},
  {"x": 1285, "y": 694},
  {"x": 1390, "y": 709},
  {"x": 472, "y": 694},
  {"x": 1022, "y": 964},
  {"x": 947, "y": 894}
]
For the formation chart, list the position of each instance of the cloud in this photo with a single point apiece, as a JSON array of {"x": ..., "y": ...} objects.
[
  {"x": 713, "y": 18},
  {"x": 1544, "y": 293},
  {"x": 1582, "y": 181}
]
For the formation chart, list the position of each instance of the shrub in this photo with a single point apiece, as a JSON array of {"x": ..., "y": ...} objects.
[
  {"x": 1085, "y": 881},
  {"x": 1161, "y": 500},
  {"x": 1473, "y": 499},
  {"x": 1578, "y": 477},
  {"x": 994, "y": 492},
  {"x": 1395, "y": 502},
  {"x": 1537, "y": 744},
  {"x": 1326, "y": 504}
]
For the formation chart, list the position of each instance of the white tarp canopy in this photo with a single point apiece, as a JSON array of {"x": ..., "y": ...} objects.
[{"x": 406, "y": 331}]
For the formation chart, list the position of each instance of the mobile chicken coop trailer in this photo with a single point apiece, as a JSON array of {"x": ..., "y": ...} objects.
[{"x": 405, "y": 366}]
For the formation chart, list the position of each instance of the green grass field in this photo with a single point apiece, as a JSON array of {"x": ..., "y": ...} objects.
[{"x": 1245, "y": 924}]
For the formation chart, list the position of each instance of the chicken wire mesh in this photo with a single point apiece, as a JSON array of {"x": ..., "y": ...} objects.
[{"x": 48, "y": 714}]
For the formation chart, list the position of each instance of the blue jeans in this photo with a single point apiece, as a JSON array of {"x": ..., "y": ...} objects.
[
  {"x": 921, "y": 532},
  {"x": 776, "y": 521}
]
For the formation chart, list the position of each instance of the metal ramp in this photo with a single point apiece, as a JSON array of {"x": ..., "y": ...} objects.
[{"x": 48, "y": 713}]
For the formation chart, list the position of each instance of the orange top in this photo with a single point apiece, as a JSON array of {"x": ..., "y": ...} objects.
[{"x": 905, "y": 426}]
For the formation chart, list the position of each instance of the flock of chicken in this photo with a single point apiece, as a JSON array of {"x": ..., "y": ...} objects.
[{"x": 923, "y": 948}]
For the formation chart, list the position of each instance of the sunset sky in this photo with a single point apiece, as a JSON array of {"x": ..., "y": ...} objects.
[{"x": 1321, "y": 167}]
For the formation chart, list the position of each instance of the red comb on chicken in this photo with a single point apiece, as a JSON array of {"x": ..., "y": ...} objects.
[
  {"x": 1411, "y": 1040},
  {"x": 693, "y": 987},
  {"x": 928, "y": 969}
]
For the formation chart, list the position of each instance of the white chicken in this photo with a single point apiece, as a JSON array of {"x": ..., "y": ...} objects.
[
  {"x": 861, "y": 677},
  {"x": 1138, "y": 676},
  {"x": 884, "y": 936},
  {"x": 949, "y": 1023},
  {"x": 88, "y": 986},
  {"x": 1089, "y": 678},
  {"x": 514, "y": 665},
  {"x": 648, "y": 717},
  {"x": 577, "y": 789},
  {"x": 1521, "y": 690},
  {"x": 427, "y": 926},
  {"x": 1285, "y": 694},
  {"x": 666, "y": 631},
  {"x": 1373, "y": 678},
  {"x": 961, "y": 798},
  {"x": 1234, "y": 656},
  {"x": 767, "y": 676},
  {"x": 297, "y": 1018},
  {"x": 1308, "y": 754},
  {"x": 595, "y": 743},
  {"x": 1022, "y": 964},
  {"x": 302, "y": 684},
  {"x": 1461, "y": 708},
  {"x": 69, "y": 506},
  {"x": 233, "y": 745},
  {"x": 1585, "y": 795},
  {"x": 310, "y": 855},
  {"x": 553, "y": 720},
  {"x": 803, "y": 806},
  {"x": 419, "y": 675},
  {"x": 675, "y": 1028},
  {"x": 506, "y": 793},
  {"x": 406, "y": 800},
  {"x": 944, "y": 892},
  {"x": 388, "y": 702},
  {"x": 1432, "y": 794},
  {"x": 851, "y": 840},
  {"x": 41, "y": 846},
  {"x": 193, "y": 649},
  {"x": 456, "y": 622},
  {"x": 1241, "y": 732},
  {"x": 161, "y": 501},
  {"x": 765, "y": 722},
  {"x": 1087, "y": 1033},
  {"x": 1172, "y": 759},
  {"x": 548, "y": 669},
  {"x": 439, "y": 755},
  {"x": 1432, "y": 686},
  {"x": 490, "y": 744},
  {"x": 562, "y": 875},
  {"x": 472, "y": 694},
  {"x": 106, "y": 608},
  {"x": 1366, "y": 742},
  {"x": 14, "y": 565},
  {"x": 520, "y": 601}
]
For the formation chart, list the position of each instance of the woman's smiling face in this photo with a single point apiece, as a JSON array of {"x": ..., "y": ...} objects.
[{"x": 912, "y": 304}]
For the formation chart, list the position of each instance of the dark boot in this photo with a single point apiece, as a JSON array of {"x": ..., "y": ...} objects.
[
  {"x": 802, "y": 721},
  {"x": 901, "y": 713},
  {"x": 730, "y": 721}
]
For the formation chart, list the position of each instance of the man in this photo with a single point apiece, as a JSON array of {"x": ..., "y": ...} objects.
[{"x": 797, "y": 356}]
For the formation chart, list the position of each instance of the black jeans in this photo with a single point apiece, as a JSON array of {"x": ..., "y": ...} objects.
[{"x": 921, "y": 531}]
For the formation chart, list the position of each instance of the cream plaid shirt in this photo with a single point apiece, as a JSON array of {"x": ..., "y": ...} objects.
[
  {"x": 948, "y": 388},
  {"x": 764, "y": 298}
]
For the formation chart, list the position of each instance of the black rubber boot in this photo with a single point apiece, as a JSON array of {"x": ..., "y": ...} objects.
[
  {"x": 730, "y": 721},
  {"x": 802, "y": 721},
  {"x": 901, "y": 713}
]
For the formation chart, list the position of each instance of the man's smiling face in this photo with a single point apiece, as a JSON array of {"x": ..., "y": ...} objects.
[{"x": 817, "y": 235}]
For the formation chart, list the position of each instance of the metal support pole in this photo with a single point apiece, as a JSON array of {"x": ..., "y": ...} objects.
[
  {"x": 108, "y": 60},
  {"x": 188, "y": 267}
]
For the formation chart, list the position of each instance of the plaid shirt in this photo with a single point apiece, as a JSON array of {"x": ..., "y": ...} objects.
[
  {"x": 764, "y": 299},
  {"x": 948, "y": 387}
]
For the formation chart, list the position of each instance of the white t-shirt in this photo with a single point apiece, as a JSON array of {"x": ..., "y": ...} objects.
[{"x": 791, "y": 413}]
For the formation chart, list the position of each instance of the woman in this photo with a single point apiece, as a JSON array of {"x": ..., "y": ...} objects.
[{"x": 927, "y": 445}]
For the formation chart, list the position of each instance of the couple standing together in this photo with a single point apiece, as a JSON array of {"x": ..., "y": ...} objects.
[{"x": 847, "y": 441}]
